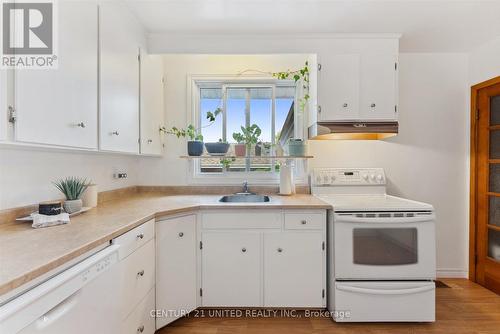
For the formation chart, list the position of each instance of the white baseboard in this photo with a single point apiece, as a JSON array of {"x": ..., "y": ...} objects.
[{"x": 452, "y": 273}]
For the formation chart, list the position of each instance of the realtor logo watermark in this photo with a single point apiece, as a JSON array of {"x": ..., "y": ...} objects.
[{"x": 28, "y": 34}]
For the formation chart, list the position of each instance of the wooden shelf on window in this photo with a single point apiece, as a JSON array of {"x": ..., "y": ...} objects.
[{"x": 275, "y": 157}]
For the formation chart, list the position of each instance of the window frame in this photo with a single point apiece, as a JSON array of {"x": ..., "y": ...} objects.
[{"x": 194, "y": 83}]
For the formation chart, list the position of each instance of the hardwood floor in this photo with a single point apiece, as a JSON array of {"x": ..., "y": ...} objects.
[{"x": 465, "y": 307}]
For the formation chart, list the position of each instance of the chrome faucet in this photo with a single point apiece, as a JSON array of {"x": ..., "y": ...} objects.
[{"x": 245, "y": 187}]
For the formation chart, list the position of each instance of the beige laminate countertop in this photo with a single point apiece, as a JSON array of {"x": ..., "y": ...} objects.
[{"x": 27, "y": 253}]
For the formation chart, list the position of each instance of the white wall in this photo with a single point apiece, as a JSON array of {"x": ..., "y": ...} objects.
[
  {"x": 427, "y": 161},
  {"x": 170, "y": 170},
  {"x": 484, "y": 62},
  {"x": 26, "y": 174}
]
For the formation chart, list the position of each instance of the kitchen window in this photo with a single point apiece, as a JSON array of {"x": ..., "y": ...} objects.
[{"x": 268, "y": 104}]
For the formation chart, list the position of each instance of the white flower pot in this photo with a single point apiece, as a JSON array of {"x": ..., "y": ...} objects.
[{"x": 73, "y": 206}]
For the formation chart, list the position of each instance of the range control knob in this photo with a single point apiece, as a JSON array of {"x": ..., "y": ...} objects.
[
  {"x": 332, "y": 178},
  {"x": 325, "y": 178},
  {"x": 365, "y": 177},
  {"x": 380, "y": 178},
  {"x": 372, "y": 177},
  {"x": 318, "y": 179}
]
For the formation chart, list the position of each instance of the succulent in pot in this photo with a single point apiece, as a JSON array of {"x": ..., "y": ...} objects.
[
  {"x": 219, "y": 148},
  {"x": 72, "y": 188}
]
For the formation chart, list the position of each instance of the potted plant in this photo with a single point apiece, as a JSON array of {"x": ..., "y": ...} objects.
[
  {"x": 239, "y": 148},
  {"x": 266, "y": 149},
  {"x": 195, "y": 143},
  {"x": 296, "y": 147},
  {"x": 251, "y": 135},
  {"x": 219, "y": 148},
  {"x": 72, "y": 188}
]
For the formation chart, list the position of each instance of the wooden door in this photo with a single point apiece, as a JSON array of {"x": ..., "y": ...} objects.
[
  {"x": 293, "y": 269},
  {"x": 175, "y": 267},
  {"x": 231, "y": 269},
  {"x": 486, "y": 185}
]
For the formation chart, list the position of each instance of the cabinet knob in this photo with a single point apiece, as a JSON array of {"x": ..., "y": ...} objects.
[
  {"x": 140, "y": 329},
  {"x": 280, "y": 250},
  {"x": 345, "y": 105},
  {"x": 140, "y": 273},
  {"x": 140, "y": 236},
  {"x": 81, "y": 125},
  {"x": 373, "y": 105},
  {"x": 243, "y": 249},
  {"x": 115, "y": 133},
  {"x": 303, "y": 222},
  {"x": 181, "y": 234}
]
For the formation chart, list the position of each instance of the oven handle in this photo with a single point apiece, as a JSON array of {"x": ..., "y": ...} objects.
[
  {"x": 386, "y": 220},
  {"x": 384, "y": 291}
]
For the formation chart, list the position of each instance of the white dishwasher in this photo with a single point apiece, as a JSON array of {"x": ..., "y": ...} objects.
[{"x": 78, "y": 300}]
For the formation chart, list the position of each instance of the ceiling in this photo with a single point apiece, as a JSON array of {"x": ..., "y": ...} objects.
[{"x": 426, "y": 25}]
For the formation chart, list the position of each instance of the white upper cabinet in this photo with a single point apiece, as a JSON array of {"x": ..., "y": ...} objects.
[
  {"x": 378, "y": 87},
  {"x": 339, "y": 87},
  {"x": 121, "y": 38},
  {"x": 152, "y": 105},
  {"x": 358, "y": 87},
  {"x": 59, "y": 106}
]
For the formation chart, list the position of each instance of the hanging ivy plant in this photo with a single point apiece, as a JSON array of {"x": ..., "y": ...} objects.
[{"x": 299, "y": 76}]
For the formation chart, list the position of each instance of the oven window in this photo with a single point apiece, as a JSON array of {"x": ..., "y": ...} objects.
[{"x": 385, "y": 246}]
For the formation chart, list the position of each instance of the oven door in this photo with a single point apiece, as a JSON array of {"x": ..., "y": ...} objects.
[{"x": 384, "y": 246}]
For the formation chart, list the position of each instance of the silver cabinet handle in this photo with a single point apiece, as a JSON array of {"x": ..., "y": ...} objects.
[
  {"x": 345, "y": 105},
  {"x": 280, "y": 250},
  {"x": 303, "y": 222},
  {"x": 140, "y": 236},
  {"x": 140, "y": 329},
  {"x": 150, "y": 141},
  {"x": 373, "y": 105},
  {"x": 115, "y": 133},
  {"x": 181, "y": 234},
  {"x": 140, "y": 273},
  {"x": 243, "y": 249},
  {"x": 81, "y": 125}
]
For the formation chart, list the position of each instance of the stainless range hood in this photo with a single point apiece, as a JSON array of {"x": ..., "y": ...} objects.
[{"x": 353, "y": 130}]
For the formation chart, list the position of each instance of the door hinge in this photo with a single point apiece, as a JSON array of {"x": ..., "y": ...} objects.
[
  {"x": 201, "y": 244},
  {"x": 319, "y": 67},
  {"x": 319, "y": 108},
  {"x": 395, "y": 108},
  {"x": 475, "y": 258},
  {"x": 477, "y": 114},
  {"x": 201, "y": 292},
  {"x": 323, "y": 293},
  {"x": 395, "y": 66},
  {"x": 12, "y": 115},
  {"x": 139, "y": 57},
  {"x": 323, "y": 245}
]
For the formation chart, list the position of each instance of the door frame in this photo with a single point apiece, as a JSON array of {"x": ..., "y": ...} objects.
[{"x": 474, "y": 116}]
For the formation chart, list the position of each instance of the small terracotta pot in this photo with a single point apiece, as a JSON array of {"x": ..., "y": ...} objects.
[{"x": 240, "y": 150}]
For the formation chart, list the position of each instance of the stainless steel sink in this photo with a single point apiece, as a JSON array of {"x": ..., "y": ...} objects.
[{"x": 244, "y": 198}]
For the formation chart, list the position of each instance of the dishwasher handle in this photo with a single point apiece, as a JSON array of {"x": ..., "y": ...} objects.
[{"x": 58, "y": 311}]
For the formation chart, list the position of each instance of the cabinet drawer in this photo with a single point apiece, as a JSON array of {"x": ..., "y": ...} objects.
[
  {"x": 241, "y": 219},
  {"x": 135, "y": 238},
  {"x": 137, "y": 277},
  {"x": 140, "y": 320},
  {"x": 305, "y": 221}
]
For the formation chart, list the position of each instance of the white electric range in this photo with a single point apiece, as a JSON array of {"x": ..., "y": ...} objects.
[{"x": 382, "y": 254}]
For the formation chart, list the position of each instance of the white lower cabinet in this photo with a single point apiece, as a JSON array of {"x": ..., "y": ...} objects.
[
  {"x": 246, "y": 263},
  {"x": 293, "y": 269},
  {"x": 231, "y": 269},
  {"x": 141, "y": 320},
  {"x": 176, "y": 268}
]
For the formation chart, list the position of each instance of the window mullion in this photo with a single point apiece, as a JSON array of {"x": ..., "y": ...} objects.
[
  {"x": 224, "y": 114},
  {"x": 247, "y": 124}
]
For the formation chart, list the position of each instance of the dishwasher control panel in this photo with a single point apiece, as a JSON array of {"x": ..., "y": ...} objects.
[{"x": 99, "y": 267}]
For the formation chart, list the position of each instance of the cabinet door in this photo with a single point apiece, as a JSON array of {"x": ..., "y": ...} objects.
[
  {"x": 294, "y": 269},
  {"x": 175, "y": 267},
  {"x": 120, "y": 37},
  {"x": 378, "y": 87},
  {"x": 339, "y": 87},
  {"x": 152, "y": 108},
  {"x": 231, "y": 269},
  {"x": 59, "y": 106}
]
